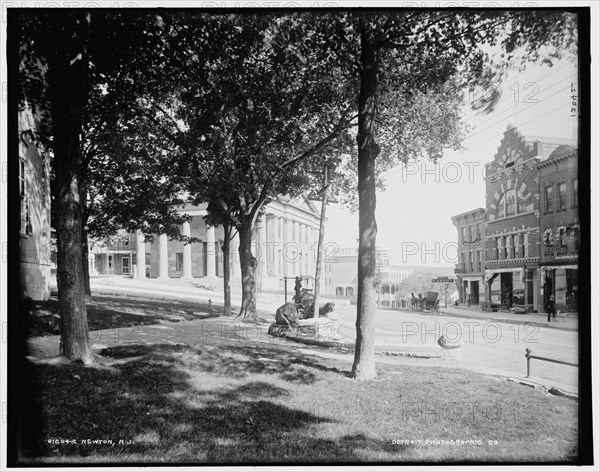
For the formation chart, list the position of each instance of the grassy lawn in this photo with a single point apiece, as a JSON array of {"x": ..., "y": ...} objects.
[
  {"x": 118, "y": 311},
  {"x": 257, "y": 402}
]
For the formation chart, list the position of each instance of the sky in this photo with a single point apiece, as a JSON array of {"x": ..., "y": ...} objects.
[{"x": 413, "y": 213}]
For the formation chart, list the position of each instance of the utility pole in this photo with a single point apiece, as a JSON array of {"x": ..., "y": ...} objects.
[{"x": 325, "y": 192}]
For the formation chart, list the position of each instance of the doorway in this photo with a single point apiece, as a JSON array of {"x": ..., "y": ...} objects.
[
  {"x": 506, "y": 289},
  {"x": 475, "y": 293},
  {"x": 548, "y": 287}
]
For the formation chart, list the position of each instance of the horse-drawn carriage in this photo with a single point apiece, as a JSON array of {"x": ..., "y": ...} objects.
[{"x": 429, "y": 303}]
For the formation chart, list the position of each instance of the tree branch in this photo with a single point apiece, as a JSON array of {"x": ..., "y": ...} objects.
[{"x": 343, "y": 124}]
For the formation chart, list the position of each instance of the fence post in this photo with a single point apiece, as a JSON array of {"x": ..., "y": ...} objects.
[{"x": 528, "y": 355}]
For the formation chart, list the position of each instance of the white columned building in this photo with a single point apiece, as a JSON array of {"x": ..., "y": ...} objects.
[
  {"x": 234, "y": 257},
  {"x": 187, "y": 252},
  {"x": 140, "y": 240},
  {"x": 210, "y": 252},
  {"x": 283, "y": 240},
  {"x": 163, "y": 260}
]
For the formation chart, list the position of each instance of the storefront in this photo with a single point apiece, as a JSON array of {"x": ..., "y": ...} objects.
[
  {"x": 561, "y": 281},
  {"x": 511, "y": 287},
  {"x": 472, "y": 290}
]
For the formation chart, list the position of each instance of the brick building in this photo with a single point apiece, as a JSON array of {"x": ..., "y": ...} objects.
[
  {"x": 470, "y": 268},
  {"x": 559, "y": 223},
  {"x": 528, "y": 180}
]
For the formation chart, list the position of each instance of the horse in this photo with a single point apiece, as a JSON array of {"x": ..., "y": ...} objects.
[
  {"x": 287, "y": 315},
  {"x": 414, "y": 302},
  {"x": 323, "y": 310}
]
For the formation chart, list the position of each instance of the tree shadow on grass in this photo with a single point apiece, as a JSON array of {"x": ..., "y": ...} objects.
[
  {"x": 169, "y": 407},
  {"x": 106, "y": 312},
  {"x": 287, "y": 361}
]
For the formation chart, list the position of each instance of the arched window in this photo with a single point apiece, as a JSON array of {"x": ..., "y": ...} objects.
[
  {"x": 501, "y": 211},
  {"x": 511, "y": 202}
]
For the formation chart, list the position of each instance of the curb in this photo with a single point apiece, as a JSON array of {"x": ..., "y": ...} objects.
[
  {"x": 536, "y": 385},
  {"x": 348, "y": 346},
  {"x": 507, "y": 320}
]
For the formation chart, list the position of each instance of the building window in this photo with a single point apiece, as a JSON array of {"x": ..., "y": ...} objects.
[
  {"x": 573, "y": 238},
  {"x": 575, "y": 197},
  {"x": 560, "y": 236},
  {"x": 562, "y": 196},
  {"x": 464, "y": 234},
  {"x": 471, "y": 261},
  {"x": 511, "y": 202},
  {"x": 22, "y": 165},
  {"x": 339, "y": 291},
  {"x": 521, "y": 207},
  {"x": 25, "y": 211},
  {"x": 501, "y": 209},
  {"x": 549, "y": 200},
  {"x": 179, "y": 261}
]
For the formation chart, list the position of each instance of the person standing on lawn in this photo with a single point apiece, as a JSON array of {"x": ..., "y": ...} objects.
[
  {"x": 551, "y": 308},
  {"x": 298, "y": 290}
]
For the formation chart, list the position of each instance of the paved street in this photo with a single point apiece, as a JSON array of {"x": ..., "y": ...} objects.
[
  {"x": 492, "y": 344},
  {"x": 489, "y": 346}
]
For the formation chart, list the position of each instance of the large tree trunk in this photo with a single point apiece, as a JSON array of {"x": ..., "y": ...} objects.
[
  {"x": 248, "y": 265},
  {"x": 226, "y": 271},
  {"x": 67, "y": 82},
  {"x": 364, "y": 356},
  {"x": 85, "y": 248}
]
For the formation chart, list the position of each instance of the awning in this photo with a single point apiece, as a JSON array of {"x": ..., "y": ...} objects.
[
  {"x": 560, "y": 266},
  {"x": 472, "y": 279},
  {"x": 491, "y": 273},
  {"x": 500, "y": 270}
]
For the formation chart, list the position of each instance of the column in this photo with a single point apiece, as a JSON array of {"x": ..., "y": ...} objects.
[
  {"x": 140, "y": 247},
  {"x": 187, "y": 251},
  {"x": 279, "y": 247},
  {"x": 210, "y": 251},
  {"x": 163, "y": 257},
  {"x": 286, "y": 253},
  {"x": 509, "y": 247},
  {"x": 236, "y": 270},
  {"x": 502, "y": 246},
  {"x": 261, "y": 244},
  {"x": 518, "y": 246},
  {"x": 268, "y": 250},
  {"x": 92, "y": 263}
]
